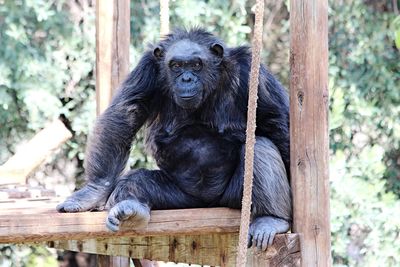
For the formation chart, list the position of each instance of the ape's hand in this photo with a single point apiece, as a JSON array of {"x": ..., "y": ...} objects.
[
  {"x": 90, "y": 197},
  {"x": 262, "y": 231},
  {"x": 136, "y": 215}
]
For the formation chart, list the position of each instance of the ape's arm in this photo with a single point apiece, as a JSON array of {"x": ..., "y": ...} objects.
[
  {"x": 273, "y": 114},
  {"x": 111, "y": 140},
  {"x": 272, "y": 105},
  {"x": 112, "y": 136}
]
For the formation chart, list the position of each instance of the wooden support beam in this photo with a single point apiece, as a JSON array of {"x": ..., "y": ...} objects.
[
  {"x": 107, "y": 261},
  {"x": 112, "y": 61},
  {"x": 199, "y": 236},
  {"x": 205, "y": 249},
  {"x": 309, "y": 128},
  {"x": 34, "y": 153},
  {"x": 20, "y": 225},
  {"x": 112, "y": 48}
]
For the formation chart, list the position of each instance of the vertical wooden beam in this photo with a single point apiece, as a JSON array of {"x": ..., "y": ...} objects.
[
  {"x": 112, "y": 261},
  {"x": 309, "y": 128},
  {"x": 112, "y": 66},
  {"x": 164, "y": 17},
  {"x": 112, "y": 48}
]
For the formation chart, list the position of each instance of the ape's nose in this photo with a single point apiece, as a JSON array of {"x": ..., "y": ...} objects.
[{"x": 186, "y": 78}]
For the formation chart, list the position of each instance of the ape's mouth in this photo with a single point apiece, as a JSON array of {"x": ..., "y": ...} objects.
[{"x": 187, "y": 97}]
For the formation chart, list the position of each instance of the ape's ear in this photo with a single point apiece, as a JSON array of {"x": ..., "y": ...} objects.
[
  {"x": 158, "y": 52},
  {"x": 217, "y": 49}
]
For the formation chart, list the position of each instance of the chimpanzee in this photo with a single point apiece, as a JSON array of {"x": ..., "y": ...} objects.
[{"x": 190, "y": 91}]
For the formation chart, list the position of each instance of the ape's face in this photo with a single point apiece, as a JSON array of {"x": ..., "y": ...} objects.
[{"x": 189, "y": 68}]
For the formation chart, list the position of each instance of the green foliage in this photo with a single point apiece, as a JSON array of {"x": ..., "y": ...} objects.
[
  {"x": 365, "y": 140},
  {"x": 46, "y": 70},
  {"x": 24, "y": 256}
]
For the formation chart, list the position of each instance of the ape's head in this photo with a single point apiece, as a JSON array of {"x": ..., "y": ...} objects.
[{"x": 190, "y": 64}]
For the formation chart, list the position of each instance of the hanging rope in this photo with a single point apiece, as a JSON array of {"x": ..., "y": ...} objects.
[
  {"x": 250, "y": 134},
  {"x": 164, "y": 17}
]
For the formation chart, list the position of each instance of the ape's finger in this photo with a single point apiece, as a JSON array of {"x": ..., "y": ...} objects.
[
  {"x": 249, "y": 240},
  {"x": 265, "y": 242},
  {"x": 256, "y": 236},
  {"x": 271, "y": 238},
  {"x": 112, "y": 223},
  {"x": 260, "y": 241}
]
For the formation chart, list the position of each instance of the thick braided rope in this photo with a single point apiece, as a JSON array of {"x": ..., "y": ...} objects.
[
  {"x": 164, "y": 17},
  {"x": 250, "y": 134}
]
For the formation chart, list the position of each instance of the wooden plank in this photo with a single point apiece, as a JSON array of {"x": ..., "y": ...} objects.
[
  {"x": 210, "y": 249},
  {"x": 309, "y": 128},
  {"x": 32, "y": 225},
  {"x": 112, "y": 48},
  {"x": 203, "y": 236},
  {"x": 32, "y": 154}
]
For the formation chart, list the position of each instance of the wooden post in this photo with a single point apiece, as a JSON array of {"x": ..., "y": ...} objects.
[
  {"x": 112, "y": 66},
  {"x": 164, "y": 17},
  {"x": 309, "y": 129},
  {"x": 112, "y": 48}
]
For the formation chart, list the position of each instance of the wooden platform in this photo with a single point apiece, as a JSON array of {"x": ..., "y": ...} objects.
[{"x": 201, "y": 236}]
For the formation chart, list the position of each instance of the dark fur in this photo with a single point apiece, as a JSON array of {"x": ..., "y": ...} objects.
[{"x": 199, "y": 149}]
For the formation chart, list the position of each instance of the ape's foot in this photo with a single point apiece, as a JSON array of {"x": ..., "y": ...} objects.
[
  {"x": 90, "y": 197},
  {"x": 263, "y": 230},
  {"x": 137, "y": 213}
]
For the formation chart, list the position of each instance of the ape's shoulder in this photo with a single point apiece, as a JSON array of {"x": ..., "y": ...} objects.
[{"x": 239, "y": 54}]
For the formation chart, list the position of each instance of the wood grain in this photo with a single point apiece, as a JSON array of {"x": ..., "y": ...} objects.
[
  {"x": 202, "y": 236},
  {"x": 112, "y": 63},
  {"x": 215, "y": 249},
  {"x": 32, "y": 154},
  {"x": 112, "y": 48},
  {"x": 35, "y": 225},
  {"x": 309, "y": 128}
]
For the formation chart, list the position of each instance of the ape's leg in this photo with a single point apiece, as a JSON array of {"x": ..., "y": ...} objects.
[
  {"x": 271, "y": 199},
  {"x": 141, "y": 190},
  {"x": 92, "y": 196}
]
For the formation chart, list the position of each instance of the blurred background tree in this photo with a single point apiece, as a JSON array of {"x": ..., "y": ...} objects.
[{"x": 47, "y": 58}]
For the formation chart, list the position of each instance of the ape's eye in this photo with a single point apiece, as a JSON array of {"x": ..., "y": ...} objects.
[
  {"x": 197, "y": 66},
  {"x": 175, "y": 66}
]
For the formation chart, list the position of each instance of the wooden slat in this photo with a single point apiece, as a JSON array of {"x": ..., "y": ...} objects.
[
  {"x": 208, "y": 249},
  {"x": 309, "y": 128},
  {"x": 202, "y": 236},
  {"x": 19, "y": 225}
]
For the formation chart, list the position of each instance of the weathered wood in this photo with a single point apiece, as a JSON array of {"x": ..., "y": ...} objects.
[
  {"x": 202, "y": 236},
  {"x": 112, "y": 61},
  {"x": 112, "y": 48},
  {"x": 107, "y": 261},
  {"x": 35, "y": 225},
  {"x": 12, "y": 193},
  {"x": 284, "y": 252},
  {"x": 164, "y": 17},
  {"x": 33, "y": 153},
  {"x": 309, "y": 128},
  {"x": 211, "y": 249}
]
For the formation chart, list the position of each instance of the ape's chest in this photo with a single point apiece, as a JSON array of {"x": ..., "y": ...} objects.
[{"x": 194, "y": 151}]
